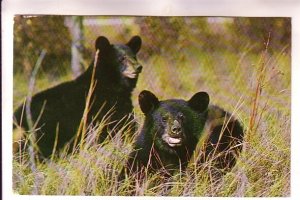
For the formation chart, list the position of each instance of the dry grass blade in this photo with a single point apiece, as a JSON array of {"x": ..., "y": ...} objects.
[{"x": 83, "y": 123}]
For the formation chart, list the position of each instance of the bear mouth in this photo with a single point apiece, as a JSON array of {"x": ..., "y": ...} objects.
[
  {"x": 130, "y": 75},
  {"x": 172, "y": 141}
]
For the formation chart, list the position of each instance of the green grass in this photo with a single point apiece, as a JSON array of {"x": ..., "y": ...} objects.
[{"x": 263, "y": 168}]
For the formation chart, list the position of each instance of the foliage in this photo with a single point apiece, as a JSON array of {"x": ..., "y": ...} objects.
[
  {"x": 255, "y": 29},
  {"x": 32, "y": 34}
]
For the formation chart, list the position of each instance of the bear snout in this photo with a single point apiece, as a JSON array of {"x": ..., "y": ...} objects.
[
  {"x": 133, "y": 72},
  {"x": 176, "y": 129},
  {"x": 174, "y": 135}
]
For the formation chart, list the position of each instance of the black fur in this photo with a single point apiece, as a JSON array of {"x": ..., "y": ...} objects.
[
  {"x": 116, "y": 75},
  {"x": 225, "y": 138}
]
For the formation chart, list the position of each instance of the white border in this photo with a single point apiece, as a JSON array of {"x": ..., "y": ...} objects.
[
  {"x": 150, "y": 7},
  {"x": 262, "y": 8}
]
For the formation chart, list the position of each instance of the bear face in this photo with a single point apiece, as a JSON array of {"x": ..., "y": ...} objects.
[
  {"x": 171, "y": 129},
  {"x": 117, "y": 63}
]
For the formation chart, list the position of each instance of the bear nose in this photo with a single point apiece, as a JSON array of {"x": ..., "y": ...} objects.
[
  {"x": 139, "y": 69},
  {"x": 176, "y": 128}
]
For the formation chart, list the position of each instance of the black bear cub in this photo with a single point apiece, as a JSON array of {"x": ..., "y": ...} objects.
[
  {"x": 170, "y": 132},
  {"x": 61, "y": 108},
  {"x": 173, "y": 128}
]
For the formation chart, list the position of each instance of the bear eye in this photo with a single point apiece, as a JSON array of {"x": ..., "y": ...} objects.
[
  {"x": 164, "y": 118},
  {"x": 122, "y": 58},
  {"x": 181, "y": 116}
]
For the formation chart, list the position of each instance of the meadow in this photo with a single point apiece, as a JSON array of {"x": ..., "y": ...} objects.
[{"x": 254, "y": 85}]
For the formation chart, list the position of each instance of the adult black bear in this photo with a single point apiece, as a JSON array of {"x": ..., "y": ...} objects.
[
  {"x": 173, "y": 128},
  {"x": 115, "y": 70}
]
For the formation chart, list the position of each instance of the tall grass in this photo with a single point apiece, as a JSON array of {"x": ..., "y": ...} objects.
[{"x": 232, "y": 81}]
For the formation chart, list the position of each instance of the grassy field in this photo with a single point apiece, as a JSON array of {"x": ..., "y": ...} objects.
[{"x": 255, "y": 87}]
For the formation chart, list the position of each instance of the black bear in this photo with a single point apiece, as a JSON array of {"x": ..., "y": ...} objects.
[
  {"x": 173, "y": 129},
  {"x": 114, "y": 71}
]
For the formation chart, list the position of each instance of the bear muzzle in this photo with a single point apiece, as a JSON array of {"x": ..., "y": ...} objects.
[
  {"x": 175, "y": 135},
  {"x": 133, "y": 74}
]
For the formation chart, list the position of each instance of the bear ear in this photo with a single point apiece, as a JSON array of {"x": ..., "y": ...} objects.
[
  {"x": 148, "y": 101},
  {"x": 199, "y": 102},
  {"x": 102, "y": 43},
  {"x": 135, "y": 44}
]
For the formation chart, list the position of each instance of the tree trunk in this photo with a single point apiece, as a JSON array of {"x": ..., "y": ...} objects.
[{"x": 75, "y": 25}]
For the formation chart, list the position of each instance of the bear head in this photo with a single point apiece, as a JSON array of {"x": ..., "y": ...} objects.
[
  {"x": 173, "y": 124},
  {"x": 117, "y": 63}
]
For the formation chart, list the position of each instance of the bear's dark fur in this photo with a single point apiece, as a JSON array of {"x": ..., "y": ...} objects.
[
  {"x": 172, "y": 130},
  {"x": 222, "y": 140},
  {"x": 116, "y": 73}
]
